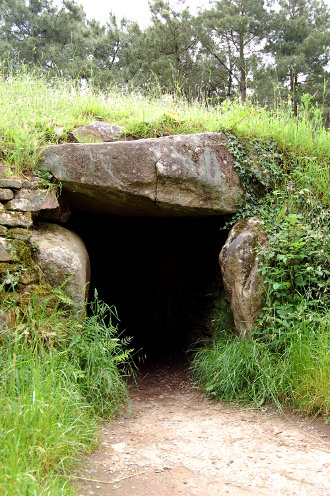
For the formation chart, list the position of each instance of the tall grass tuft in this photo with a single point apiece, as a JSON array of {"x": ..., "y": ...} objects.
[
  {"x": 245, "y": 371},
  {"x": 54, "y": 386},
  {"x": 234, "y": 369},
  {"x": 104, "y": 359},
  {"x": 305, "y": 386}
]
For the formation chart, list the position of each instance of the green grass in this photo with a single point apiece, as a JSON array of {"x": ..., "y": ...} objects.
[
  {"x": 57, "y": 378},
  {"x": 250, "y": 371},
  {"x": 36, "y": 111},
  {"x": 44, "y": 423},
  {"x": 232, "y": 369},
  {"x": 307, "y": 362}
]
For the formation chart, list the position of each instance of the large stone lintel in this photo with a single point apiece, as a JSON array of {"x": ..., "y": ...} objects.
[{"x": 174, "y": 175}]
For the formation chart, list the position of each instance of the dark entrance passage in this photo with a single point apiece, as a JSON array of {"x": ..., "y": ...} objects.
[{"x": 161, "y": 274}]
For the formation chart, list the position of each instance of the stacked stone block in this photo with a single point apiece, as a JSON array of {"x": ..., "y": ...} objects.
[{"x": 21, "y": 202}]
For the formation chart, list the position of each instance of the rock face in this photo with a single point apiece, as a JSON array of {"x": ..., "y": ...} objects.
[
  {"x": 174, "y": 175},
  {"x": 97, "y": 132},
  {"x": 28, "y": 200},
  {"x": 239, "y": 266},
  {"x": 6, "y": 250},
  {"x": 4, "y": 320},
  {"x": 8, "y": 182},
  {"x": 63, "y": 259},
  {"x": 6, "y": 194},
  {"x": 16, "y": 219}
]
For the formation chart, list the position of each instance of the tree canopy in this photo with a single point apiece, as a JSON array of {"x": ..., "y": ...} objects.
[{"x": 234, "y": 48}]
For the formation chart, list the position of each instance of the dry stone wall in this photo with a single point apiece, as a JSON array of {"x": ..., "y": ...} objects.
[
  {"x": 33, "y": 253},
  {"x": 21, "y": 201}
]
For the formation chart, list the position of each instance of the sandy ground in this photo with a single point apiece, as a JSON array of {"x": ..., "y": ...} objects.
[{"x": 174, "y": 442}]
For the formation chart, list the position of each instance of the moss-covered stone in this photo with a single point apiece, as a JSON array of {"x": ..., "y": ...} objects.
[
  {"x": 3, "y": 231},
  {"x": 19, "y": 233},
  {"x": 16, "y": 219},
  {"x": 19, "y": 269}
]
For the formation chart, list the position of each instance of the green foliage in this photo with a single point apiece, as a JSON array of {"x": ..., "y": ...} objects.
[
  {"x": 257, "y": 165},
  {"x": 38, "y": 34},
  {"x": 296, "y": 263},
  {"x": 56, "y": 379},
  {"x": 251, "y": 371},
  {"x": 103, "y": 359},
  {"x": 230, "y": 30},
  {"x": 214, "y": 55},
  {"x": 234, "y": 369},
  {"x": 299, "y": 41},
  {"x": 164, "y": 125},
  {"x": 287, "y": 361}
]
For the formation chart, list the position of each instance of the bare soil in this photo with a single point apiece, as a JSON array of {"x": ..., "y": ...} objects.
[{"x": 174, "y": 442}]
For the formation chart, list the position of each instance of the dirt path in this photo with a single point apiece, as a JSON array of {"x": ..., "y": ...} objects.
[{"x": 173, "y": 442}]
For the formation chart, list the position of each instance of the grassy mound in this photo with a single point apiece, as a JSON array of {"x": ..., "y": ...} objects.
[{"x": 38, "y": 111}]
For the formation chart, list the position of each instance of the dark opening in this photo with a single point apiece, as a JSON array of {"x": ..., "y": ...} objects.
[{"x": 161, "y": 274}]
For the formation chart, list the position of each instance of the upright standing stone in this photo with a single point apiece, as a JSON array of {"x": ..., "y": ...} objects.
[{"x": 239, "y": 262}]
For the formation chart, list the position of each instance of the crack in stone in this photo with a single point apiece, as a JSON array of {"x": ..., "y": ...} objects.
[{"x": 157, "y": 180}]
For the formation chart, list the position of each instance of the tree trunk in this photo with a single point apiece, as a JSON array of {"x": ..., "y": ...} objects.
[
  {"x": 229, "y": 86},
  {"x": 293, "y": 86},
  {"x": 295, "y": 103},
  {"x": 242, "y": 67},
  {"x": 230, "y": 72}
]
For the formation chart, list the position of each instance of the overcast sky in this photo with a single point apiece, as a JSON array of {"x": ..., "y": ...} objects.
[{"x": 136, "y": 10}]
